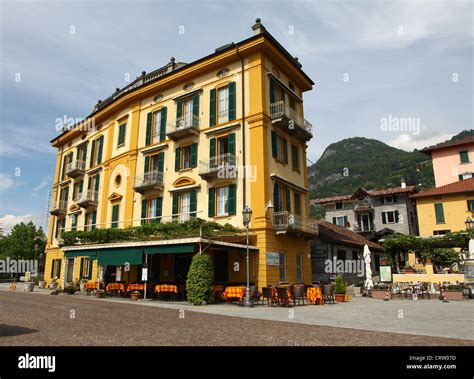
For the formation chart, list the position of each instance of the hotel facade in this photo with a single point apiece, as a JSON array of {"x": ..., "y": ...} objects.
[{"x": 166, "y": 147}]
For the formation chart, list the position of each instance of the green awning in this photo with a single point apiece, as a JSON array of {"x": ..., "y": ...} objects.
[
  {"x": 120, "y": 256},
  {"x": 81, "y": 253},
  {"x": 170, "y": 249}
]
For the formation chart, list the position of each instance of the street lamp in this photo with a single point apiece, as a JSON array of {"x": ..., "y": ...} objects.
[
  {"x": 247, "y": 217},
  {"x": 469, "y": 224}
]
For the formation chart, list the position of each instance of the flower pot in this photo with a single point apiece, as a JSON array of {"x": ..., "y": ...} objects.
[
  {"x": 340, "y": 297},
  {"x": 453, "y": 295},
  {"x": 53, "y": 285},
  {"x": 380, "y": 294},
  {"x": 42, "y": 284},
  {"x": 29, "y": 286},
  {"x": 135, "y": 296}
]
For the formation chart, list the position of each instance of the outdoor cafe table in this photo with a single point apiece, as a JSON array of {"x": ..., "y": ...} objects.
[
  {"x": 90, "y": 286},
  {"x": 234, "y": 292},
  {"x": 115, "y": 287},
  {"x": 314, "y": 295},
  {"x": 166, "y": 288},
  {"x": 135, "y": 287}
]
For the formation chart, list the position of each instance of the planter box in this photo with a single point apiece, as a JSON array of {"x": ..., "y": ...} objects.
[
  {"x": 42, "y": 284},
  {"x": 453, "y": 295},
  {"x": 339, "y": 297},
  {"x": 380, "y": 294}
]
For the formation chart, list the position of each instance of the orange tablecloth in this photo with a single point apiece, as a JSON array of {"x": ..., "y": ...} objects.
[
  {"x": 231, "y": 292},
  {"x": 90, "y": 286},
  {"x": 314, "y": 294},
  {"x": 136, "y": 287},
  {"x": 115, "y": 286},
  {"x": 166, "y": 288}
]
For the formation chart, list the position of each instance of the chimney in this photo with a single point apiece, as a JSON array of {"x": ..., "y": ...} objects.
[
  {"x": 403, "y": 184},
  {"x": 258, "y": 28}
]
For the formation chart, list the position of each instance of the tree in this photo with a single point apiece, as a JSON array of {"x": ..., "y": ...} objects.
[
  {"x": 200, "y": 280},
  {"x": 20, "y": 243}
]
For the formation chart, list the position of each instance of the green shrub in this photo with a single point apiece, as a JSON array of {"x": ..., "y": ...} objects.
[
  {"x": 340, "y": 287},
  {"x": 200, "y": 280}
]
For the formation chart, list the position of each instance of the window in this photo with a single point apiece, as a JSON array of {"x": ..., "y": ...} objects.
[
  {"x": 60, "y": 226},
  {"x": 467, "y": 175},
  {"x": 341, "y": 221},
  {"x": 56, "y": 268},
  {"x": 156, "y": 126},
  {"x": 223, "y": 105},
  {"x": 86, "y": 269},
  {"x": 187, "y": 120},
  {"x": 279, "y": 148},
  {"x": 185, "y": 206},
  {"x": 81, "y": 156},
  {"x": 355, "y": 255},
  {"x": 222, "y": 201},
  {"x": 295, "y": 161},
  {"x": 299, "y": 268},
  {"x": 365, "y": 222},
  {"x": 464, "y": 156},
  {"x": 90, "y": 221},
  {"x": 297, "y": 203},
  {"x": 281, "y": 198},
  {"x": 77, "y": 190},
  {"x": 341, "y": 255},
  {"x": 74, "y": 218},
  {"x": 152, "y": 210},
  {"x": 67, "y": 160},
  {"x": 121, "y": 134},
  {"x": 439, "y": 213},
  {"x": 388, "y": 199},
  {"x": 93, "y": 187},
  {"x": 186, "y": 157},
  {"x": 441, "y": 232},
  {"x": 222, "y": 194},
  {"x": 96, "y": 151},
  {"x": 390, "y": 217},
  {"x": 470, "y": 205},
  {"x": 64, "y": 196},
  {"x": 282, "y": 267},
  {"x": 115, "y": 215},
  {"x": 223, "y": 148},
  {"x": 339, "y": 205}
]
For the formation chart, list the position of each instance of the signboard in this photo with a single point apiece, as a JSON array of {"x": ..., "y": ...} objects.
[
  {"x": 144, "y": 274},
  {"x": 469, "y": 271},
  {"x": 385, "y": 273},
  {"x": 273, "y": 259}
]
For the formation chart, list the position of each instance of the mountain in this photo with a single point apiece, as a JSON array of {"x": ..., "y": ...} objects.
[{"x": 361, "y": 162}]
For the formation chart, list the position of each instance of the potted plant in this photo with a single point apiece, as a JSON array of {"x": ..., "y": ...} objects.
[
  {"x": 453, "y": 292},
  {"x": 41, "y": 282},
  {"x": 358, "y": 288},
  {"x": 135, "y": 295},
  {"x": 340, "y": 289},
  {"x": 99, "y": 294},
  {"x": 69, "y": 289},
  {"x": 380, "y": 290},
  {"x": 82, "y": 283},
  {"x": 54, "y": 284}
]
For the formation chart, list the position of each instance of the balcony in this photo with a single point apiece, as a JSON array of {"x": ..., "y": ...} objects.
[
  {"x": 183, "y": 127},
  {"x": 364, "y": 229},
  {"x": 88, "y": 200},
  {"x": 294, "y": 225},
  {"x": 149, "y": 181},
  {"x": 59, "y": 208},
  {"x": 76, "y": 169},
  {"x": 222, "y": 166},
  {"x": 292, "y": 122}
]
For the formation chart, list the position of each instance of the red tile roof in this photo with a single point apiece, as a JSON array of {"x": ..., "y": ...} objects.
[
  {"x": 343, "y": 236},
  {"x": 448, "y": 189},
  {"x": 442, "y": 145},
  {"x": 374, "y": 193}
]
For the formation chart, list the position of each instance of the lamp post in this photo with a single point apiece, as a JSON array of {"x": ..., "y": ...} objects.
[
  {"x": 469, "y": 225},
  {"x": 247, "y": 217}
]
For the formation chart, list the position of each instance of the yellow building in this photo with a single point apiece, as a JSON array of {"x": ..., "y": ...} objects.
[
  {"x": 445, "y": 209},
  {"x": 155, "y": 151}
]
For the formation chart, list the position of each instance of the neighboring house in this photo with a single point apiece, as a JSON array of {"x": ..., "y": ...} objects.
[
  {"x": 373, "y": 213},
  {"x": 153, "y": 151},
  {"x": 337, "y": 242},
  {"x": 444, "y": 209},
  {"x": 452, "y": 160}
]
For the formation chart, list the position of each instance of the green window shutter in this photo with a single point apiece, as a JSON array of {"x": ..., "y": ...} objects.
[
  {"x": 384, "y": 217},
  {"x": 149, "y": 118},
  {"x": 294, "y": 157},
  {"x": 161, "y": 161},
  {"x": 382, "y": 200},
  {"x": 464, "y": 156},
  {"x": 99, "y": 150},
  {"x": 81, "y": 187},
  {"x": 359, "y": 220},
  {"x": 231, "y": 142},
  {"x": 63, "y": 171},
  {"x": 395, "y": 199},
  {"x": 274, "y": 145},
  {"x": 84, "y": 154},
  {"x": 96, "y": 182},
  {"x": 460, "y": 177},
  {"x": 212, "y": 109},
  {"x": 115, "y": 215},
  {"x": 177, "y": 163},
  {"x": 179, "y": 109},
  {"x": 52, "y": 268},
  {"x": 232, "y": 97},
  {"x": 74, "y": 191},
  {"x": 175, "y": 206},
  {"x": 89, "y": 181},
  {"x": 211, "y": 202},
  {"x": 147, "y": 164},
  {"x": 276, "y": 197},
  {"x": 121, "y": 138},
  {"x": 195, "y": 107},
  {"x": 345, "y": 221},
  {"x": 81, "y": 269},
  {"x": 285, "y": 150},
  {"x": 272, "y": 91},
  {"x": 193, "y": 203},
  {"x": 143, "y": 211},
  {"x": 232, "y": 200},
  {"x": 91, "y": 163},
  {"x": 212, "y": 148},
  {"x": 66, "y": 193},
  {"x": 396, "y": 217},
  {"x": 58, "y": 271},
  {"x": 163, "y": 124},
  {"x": 93, "y": 219},
  {"x": 288, "y": 200},
  {"x": 70, "y": 158},
  {"x": 194, "y": 154},
  {"x": 439, "y": 212},
  {"x": 159, "y": 208},
  {"x": 334, "y": 220},
  {"x": 89, "y": 275}
]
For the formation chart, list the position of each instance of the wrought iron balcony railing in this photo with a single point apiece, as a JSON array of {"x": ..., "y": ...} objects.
[
  {"x": 218, "y": 166},
  {"x": 286, "y": 222},
  {"x": 75, "y": 169},
  {"x": 148, "y": 181},
  {"x": 292, "y": 119},
  {"x": 59, "y": 208},
  {"x": 183, "y": 127}
]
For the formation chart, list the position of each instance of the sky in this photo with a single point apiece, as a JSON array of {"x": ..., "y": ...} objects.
[{"x": 376, "y": 65}]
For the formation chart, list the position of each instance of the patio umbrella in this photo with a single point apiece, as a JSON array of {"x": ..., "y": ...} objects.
[
  {"x": 368, "y": 271},
  {"x": 471, "y": 248}
]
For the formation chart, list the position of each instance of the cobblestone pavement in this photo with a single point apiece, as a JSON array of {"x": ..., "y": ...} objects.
[{"x": 31, "y": 319}]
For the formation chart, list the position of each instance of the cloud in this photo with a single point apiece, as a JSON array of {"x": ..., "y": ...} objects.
[
  {"x": 40, "y": 186},
  {"x": 6, "y": 181},
  {"x": 409, "y": 142},
  {"x": 7, "y": 222}
]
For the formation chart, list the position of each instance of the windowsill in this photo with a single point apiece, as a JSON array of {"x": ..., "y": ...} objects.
[
  {"x": 297, "y": 170},
  {"x": 441, "y": 223},
  {"x": 220, "y": 217},
  {"x": 185, "y": 169},
  {"x": 281, "y": 161},
  {"x": 121, "y": 145}
]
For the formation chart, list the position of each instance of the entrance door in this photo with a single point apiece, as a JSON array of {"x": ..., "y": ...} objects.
[
  {"x": 221, "y": 270},
  {"x": 182, "y": 267},
  {"x": 70, "y": 270}
]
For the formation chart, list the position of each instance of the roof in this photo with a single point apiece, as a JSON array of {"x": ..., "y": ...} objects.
[
  {"x": 341, "y": 235},
  {"x": 172, "y": 68},
  {"x": 374, "y": 193},
  {"x": 448, "y": 189},
  {"x": 443, "y": 145}
]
